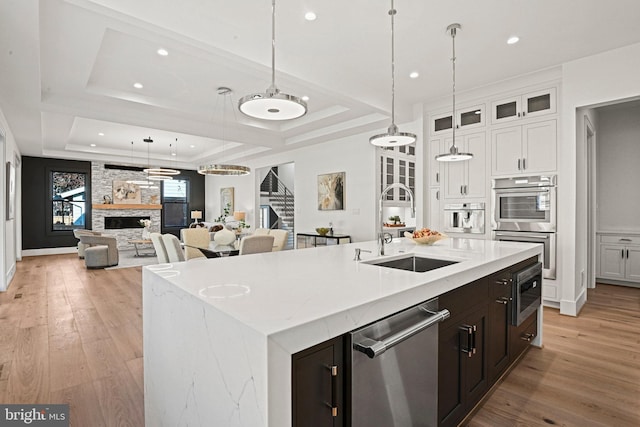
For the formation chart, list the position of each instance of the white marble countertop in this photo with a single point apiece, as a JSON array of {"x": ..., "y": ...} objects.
[
  {"x": 287, "y": 293},
  {"x": 219, "y": 333}
]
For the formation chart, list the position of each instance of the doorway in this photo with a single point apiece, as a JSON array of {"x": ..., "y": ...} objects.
[
  {"x": 609, "y": 139},
  {"x": 590, "y": 143},
  {"x": 276, "y": 199}
]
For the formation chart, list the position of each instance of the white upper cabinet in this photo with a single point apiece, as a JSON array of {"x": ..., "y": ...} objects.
[
  {"x": 529, "y": 105},
  {"x": 524, "y": 149},
  {"x": 467, "y": 179},
  {"x": 466, "y": 118}
]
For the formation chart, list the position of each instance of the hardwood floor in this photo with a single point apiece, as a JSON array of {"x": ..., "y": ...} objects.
[
  {"x": 72, "y": 335},
  {"x": 587, "y": 374}
]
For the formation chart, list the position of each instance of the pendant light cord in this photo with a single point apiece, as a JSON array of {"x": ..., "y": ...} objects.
[
  {"x": 453, "y": 62},
  {"x": 273, "y": 48},
  {"x": 392, "y": 12}
]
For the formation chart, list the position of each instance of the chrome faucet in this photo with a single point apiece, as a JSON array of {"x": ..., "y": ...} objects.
[{"x": 382, "y": 236}]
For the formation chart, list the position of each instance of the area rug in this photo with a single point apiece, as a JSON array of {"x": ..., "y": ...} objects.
[{"x": 127, "y": 259}]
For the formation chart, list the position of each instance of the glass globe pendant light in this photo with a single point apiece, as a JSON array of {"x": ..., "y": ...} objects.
[
  {"x": 454, "y": 155},
  {"x": 272, "y": 104},
  {"x": 393, "y": 137}
]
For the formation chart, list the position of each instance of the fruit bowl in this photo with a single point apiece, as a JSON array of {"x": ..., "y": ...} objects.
[
  {"x": 322, "y": 231},
  {"x": 425, "y": 236}
]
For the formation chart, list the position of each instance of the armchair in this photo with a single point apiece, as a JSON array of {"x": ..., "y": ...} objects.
[
  {"x": 81, "y": 246},
  {"x": 100, "y": 251}
]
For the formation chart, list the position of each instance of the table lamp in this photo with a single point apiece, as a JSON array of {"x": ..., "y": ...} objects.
[
  {"x": 196, "y": 215},
  {"x": 239, "y": 215}
]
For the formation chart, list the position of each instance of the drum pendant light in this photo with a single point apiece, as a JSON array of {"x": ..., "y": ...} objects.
[
  {"x": 272, "y": 104},
  {"x": 393, "y": 138},
  {"x": 453, "y": 155}
]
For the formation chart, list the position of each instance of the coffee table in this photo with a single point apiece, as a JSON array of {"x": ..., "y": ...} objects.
[{"x": 144, "y": 243}]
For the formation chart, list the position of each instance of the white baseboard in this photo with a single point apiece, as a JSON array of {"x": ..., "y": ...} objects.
[
  {"x": 49, "y": 251},
  {"x": 572, "y": 308}
]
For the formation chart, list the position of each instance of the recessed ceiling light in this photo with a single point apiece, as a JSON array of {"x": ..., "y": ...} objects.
[
  {"x": 138, "y": 85},
  {"x": 93, "y": 145},
  {"x": 414, "y": 74},
  {"x": 173, "y": 154},
  {"x": 513, "y": 40},
  {"x": 100, "y": 133},
  {"x": 192, "y": 146},
  {"x": 310, "y": 16},
  {"x": 162, "y": 52},
  {"x": 305, "y": 98}
]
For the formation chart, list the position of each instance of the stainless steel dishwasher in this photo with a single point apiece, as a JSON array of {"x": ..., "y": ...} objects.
[{"x": 394, "y": 369}]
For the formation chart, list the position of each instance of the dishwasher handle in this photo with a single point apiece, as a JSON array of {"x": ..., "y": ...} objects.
[{"x": 374, "y": 348}]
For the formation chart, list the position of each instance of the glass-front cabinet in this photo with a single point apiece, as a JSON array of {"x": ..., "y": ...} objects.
[
  {"x": 466, "y": 118},
  {"x": 525, "y": 106},
  {"x": 398, "y": 164}
]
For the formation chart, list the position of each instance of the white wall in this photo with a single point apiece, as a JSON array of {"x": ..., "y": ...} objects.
[
  {"x": 589, "y": 81},
  {"x": 618, "y": 155},
  {"x": 10, "y": 235},
  {"x": 353, "y": 155}
]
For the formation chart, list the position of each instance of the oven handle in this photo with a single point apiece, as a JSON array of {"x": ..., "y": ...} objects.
[
  {"x": 523, "y": 235},
  {"x": 521, "y": 190},
  {"x": 374, "y": 348}
]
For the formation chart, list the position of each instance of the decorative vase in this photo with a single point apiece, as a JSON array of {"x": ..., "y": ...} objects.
[
  {"x": 146, "y": 233},
  {"x": 224, "y": 237}
]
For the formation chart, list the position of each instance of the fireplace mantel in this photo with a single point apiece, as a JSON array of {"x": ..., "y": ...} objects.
[{"x": 125, "y": 206}]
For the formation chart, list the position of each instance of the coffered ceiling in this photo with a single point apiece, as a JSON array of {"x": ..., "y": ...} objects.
[{"x": 68, "y": 68}]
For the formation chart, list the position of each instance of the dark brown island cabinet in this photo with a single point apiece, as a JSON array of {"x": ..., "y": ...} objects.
[
  {"x": 476, "y": 346},
  {"x": 318, "y": 385}
]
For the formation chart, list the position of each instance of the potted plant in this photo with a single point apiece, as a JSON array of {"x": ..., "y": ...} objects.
[{"x": 395, "y": 218}]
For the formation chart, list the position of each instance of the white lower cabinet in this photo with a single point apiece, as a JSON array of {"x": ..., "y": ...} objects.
[
  {"x": 619, "y": 258},
  {"x": 467, "y": 178}
]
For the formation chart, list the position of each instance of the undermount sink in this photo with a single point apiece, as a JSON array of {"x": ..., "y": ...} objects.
[{"x": 412, "y": 263}]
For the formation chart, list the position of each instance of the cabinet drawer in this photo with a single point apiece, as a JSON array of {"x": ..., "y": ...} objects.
[
  {"x": 459, "y": 300},
  {"x": 621, "y": 240},
  {"x": 521, "y": 336}
]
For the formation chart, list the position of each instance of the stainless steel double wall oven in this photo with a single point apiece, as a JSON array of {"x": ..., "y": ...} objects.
[{"x": 524, "y": 210}]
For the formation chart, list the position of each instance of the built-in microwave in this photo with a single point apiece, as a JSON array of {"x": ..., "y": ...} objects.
[
  {"x": 527, "y": 292},
  {"x": 525, "y": 203}
]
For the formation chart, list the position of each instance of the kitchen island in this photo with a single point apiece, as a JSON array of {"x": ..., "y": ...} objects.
[{"x": 219, "y": 334}]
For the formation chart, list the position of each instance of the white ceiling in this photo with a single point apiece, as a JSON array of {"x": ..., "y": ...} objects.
[{"x": 67, "y": 68}]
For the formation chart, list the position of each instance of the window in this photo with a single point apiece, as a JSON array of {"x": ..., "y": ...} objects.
[
  {"x": 68, "y": 200},
  {"x": 175, "y": 203}
]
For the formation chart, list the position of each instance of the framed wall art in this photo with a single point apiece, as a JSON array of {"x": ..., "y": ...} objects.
[
  {"x": 126, "y": 193},
  {"x": 331, "y": 191},
  {"x": 226, "y": 201}
]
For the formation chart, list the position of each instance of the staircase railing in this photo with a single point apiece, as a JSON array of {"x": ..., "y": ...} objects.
[{"x": 278, "y": 192}]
